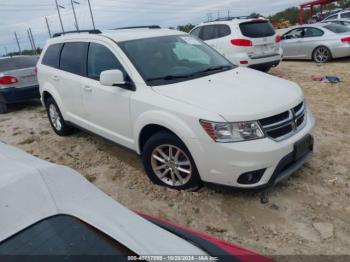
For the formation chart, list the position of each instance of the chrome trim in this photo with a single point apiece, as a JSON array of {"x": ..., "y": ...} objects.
[{"x": 292, "y": 120}]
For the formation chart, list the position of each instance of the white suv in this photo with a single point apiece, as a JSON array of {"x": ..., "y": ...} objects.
[
  {"x": 244, "y": 41},
  {"x": 192, "y": 115}
]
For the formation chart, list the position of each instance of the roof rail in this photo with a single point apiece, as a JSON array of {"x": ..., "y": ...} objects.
[
  {"x": 136, "y": 27},
  {"x": 91, "y": 31},
  {"x": 234, "y": 17}
]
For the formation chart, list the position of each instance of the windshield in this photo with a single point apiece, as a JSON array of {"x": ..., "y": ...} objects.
[
  {"x": 335, "y": 28},
  {"x": 169, "y": 59}
]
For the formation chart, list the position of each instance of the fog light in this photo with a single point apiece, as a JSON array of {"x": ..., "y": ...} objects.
[{"x": 252, "y": 177}]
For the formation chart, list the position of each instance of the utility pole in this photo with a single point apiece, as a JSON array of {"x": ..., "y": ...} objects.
[
  {"x": 5, "y": 50},
  {"x": 75, "y": 16},
  {"x": 92, "y": 17},
  {"x": 48, "y": 26},
  {"x": 228, "y": 13},
  {"x": 31, "y": 34},
  {"x": 59, "y": 14},
  {"x": 30, "y": 40},
  {"x": 19, "y": 47}
]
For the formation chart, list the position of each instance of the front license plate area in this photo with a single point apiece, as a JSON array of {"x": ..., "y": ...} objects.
[{"x": 303, "y": 146}]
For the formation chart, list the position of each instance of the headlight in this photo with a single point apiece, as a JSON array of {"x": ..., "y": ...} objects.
[{"x": 232, "y": 132}]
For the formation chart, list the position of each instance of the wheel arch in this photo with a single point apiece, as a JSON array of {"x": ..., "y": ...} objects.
[{"x": 151, "y": 122}]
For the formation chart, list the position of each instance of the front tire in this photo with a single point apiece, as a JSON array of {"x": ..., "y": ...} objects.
[
  {"x": 3, "y": 108},
  {"x": 57, "y": 122},
  {"x": 168, "y": 162},
  {"x": 322, "y": 54}
]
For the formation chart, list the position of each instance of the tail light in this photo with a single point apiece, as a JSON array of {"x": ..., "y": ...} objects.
[
  {"x": 346, "y": 40},
  {"x": 278, "y": 39},
  {"x": 241, "y": 42},
  {"x": 8, "y": 80}
]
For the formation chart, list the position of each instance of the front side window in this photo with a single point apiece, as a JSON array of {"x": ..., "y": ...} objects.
[
  {"x": 196, "y": 31},
  {"x": 161, "y": 60},
  {"x": 332, "y": 17},
  {"x": 294, "y": 34},
  {"x": 62, "y": 235},
  {"x": 52, "y": 55},
  {"x": 72, "y": 57},
  {"x": 312, "y": 32},
  {"x": 100, "y": 58}
]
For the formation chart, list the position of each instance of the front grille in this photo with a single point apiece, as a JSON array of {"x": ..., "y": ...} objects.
[{"x": 286, "y": 124}]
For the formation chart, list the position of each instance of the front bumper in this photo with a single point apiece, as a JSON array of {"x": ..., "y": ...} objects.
[
  {"x": 226, "y": 162},
  {"x": 13, "y": 95}
]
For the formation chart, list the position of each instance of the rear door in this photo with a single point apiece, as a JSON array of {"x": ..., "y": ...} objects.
[
  {"x": 69, "y": 77},
  {"x": 262, "y": 35}
]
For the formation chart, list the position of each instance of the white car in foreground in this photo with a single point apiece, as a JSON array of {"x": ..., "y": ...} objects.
[
  {"x": 245, "y": 41},
  {"x": 192, "y": 115},
  {"x": 52, "y": 213}
]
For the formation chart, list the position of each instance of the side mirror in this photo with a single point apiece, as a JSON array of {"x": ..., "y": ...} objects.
[{"x": 112, "y": 78}]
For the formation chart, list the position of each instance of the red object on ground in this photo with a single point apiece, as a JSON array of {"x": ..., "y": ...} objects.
[
  {"x": 242, "y": 254},
  {"x": 311, "y": 5}
]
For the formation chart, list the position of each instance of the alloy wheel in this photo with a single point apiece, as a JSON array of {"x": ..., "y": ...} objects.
[
  {"x": 321, "y": 55},
  {"x": 55, "y": 117},
  {"x": 171, "y": 165}
]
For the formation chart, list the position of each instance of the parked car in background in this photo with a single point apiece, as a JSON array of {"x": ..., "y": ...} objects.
[
  {"x": 192, "y": 115},
  {"x": 51, "y": 210},
  {"x": 338, "y": 15},
  {"x": 18, "y": 82},
  {"x": 343, "y": 22},
  {"x": 249, "y": 42},
  {"x": 320, "y": 42}
]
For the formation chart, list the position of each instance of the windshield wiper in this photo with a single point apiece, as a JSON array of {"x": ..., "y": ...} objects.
[
  {"x": 169, "y": 77},
  {"x": 215, "y": 68}
]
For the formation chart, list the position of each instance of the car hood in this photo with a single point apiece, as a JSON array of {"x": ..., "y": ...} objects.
[{"x": 241, "y": 94}]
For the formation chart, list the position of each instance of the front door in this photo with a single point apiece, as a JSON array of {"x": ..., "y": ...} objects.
[{"x": 107, "y": 111}]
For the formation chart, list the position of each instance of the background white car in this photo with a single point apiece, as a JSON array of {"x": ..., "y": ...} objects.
[
  {"x": 51, "y": 210},
  {"x": 340, "y": 15},
  {"x": 250, "y": 42}
]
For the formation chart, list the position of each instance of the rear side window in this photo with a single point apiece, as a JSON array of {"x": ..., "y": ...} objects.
[
  {"x": 338, "y": 29},
  {"x": 312, "y": 32},
  {"x": 223, "y": 30},
  {"x": 100, "y": 58},
  {"x": 214, "y": 31},
  {"x": 62, "y": 235},
  {"x": 257, "y": 29},
  {"x": 52, "y": 55},
  {"x": 73, "y": 56},
  {"x": 345, "y": 15},
  {"x": 208, "y": 32}
]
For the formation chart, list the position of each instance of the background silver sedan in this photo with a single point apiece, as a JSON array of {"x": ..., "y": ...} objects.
[{"x": 319, "y": 42}]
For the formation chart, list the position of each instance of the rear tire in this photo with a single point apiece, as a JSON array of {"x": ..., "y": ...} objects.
[
  {"x": 265, "y": 69},
  {"x": 168, "y": 162},
  {"x": 321, "y": 55},
  {"x": 57, "y": 122},
  {"x": 3, "y": 108}
]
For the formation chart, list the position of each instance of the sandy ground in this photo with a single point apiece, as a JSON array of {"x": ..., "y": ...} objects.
[{"x": 308, "y": 214}]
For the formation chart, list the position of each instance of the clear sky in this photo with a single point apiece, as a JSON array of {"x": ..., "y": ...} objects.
[{"x": 19, "y": 15}]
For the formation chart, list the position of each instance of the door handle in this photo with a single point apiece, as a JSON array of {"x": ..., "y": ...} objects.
[{"x": 87, "y": 88}]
